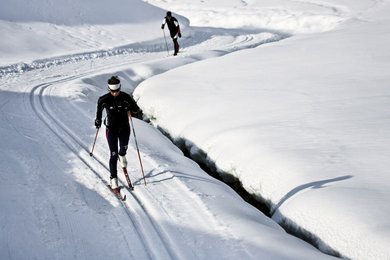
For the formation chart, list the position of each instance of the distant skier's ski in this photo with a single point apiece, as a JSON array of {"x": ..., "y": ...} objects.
[
  {"x": 117, "y": 193},
  {"x": 128, "y": 179}
]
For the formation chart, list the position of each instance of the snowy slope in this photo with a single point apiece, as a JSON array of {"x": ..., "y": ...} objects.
[
  {"x": 35, "y": 30},
  {"x": 53, "y": 197},
  {"x": 303, "y": 123},
  {"x": 288, "y": 96}
]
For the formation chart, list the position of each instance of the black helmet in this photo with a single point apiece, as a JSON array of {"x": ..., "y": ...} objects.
[
  {"x": 169, "y": 14},
  {"x": 114, "y": 84}
]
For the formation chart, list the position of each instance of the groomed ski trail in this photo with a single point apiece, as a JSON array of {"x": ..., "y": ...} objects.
[
  {"x": 147, "y": 219},
  {"x": 156, "y": 246},
  {"x": 151, "y": 209}
]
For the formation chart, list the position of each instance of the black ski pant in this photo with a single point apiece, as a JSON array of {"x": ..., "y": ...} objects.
[
  {"x": 114, "y": 137},
  {"x": 176, "y": 45}
]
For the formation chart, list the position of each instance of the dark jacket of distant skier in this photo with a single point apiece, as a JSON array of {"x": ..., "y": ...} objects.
[
  {"x": 117, "y": 105},
  {"x": 174, "y": 30}
]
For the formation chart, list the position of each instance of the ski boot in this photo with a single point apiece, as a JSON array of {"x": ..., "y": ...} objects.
[
  {"x": 116, "y": 189},
  {"x": 123, "y": 161}
]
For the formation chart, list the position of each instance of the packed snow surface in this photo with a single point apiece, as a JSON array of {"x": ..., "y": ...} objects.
[{"x": 289, "y": 97}]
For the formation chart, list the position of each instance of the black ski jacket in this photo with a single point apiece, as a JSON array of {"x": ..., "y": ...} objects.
[
  {"x": 117, "y": 109},
  {"x": 173, "y": 26}
]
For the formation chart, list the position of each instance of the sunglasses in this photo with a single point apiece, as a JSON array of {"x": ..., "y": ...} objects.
[{"x": 114, "y": 86}]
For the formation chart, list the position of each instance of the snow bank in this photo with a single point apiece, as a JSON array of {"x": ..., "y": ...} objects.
[
  {"x": 35, "y": 30},
  {"x": 302, "y": 123},
  {"x": 284, "y": 16}
]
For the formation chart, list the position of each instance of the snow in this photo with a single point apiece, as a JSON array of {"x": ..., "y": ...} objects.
[{"x": 289, "y": 97}]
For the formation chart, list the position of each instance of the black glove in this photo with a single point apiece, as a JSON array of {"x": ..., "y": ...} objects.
[
  {"x": 179, "y": 34},
  {"x": 98, "y": 123},
  {"x": 137, "y": 114},
  {"x": 162, "y": 26}
]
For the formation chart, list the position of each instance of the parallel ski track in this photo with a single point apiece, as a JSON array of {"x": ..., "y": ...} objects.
[
  {"x": 196, "y": 205},
  {"x": 136, "y": 207},
  {"x": 142, "y": 200},
  {"x": 154, "y": 251}
]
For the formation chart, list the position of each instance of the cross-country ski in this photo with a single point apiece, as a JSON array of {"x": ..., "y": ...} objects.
[
  {"x": 130, "y": 185},
  {"x": 117, "y": 192}
]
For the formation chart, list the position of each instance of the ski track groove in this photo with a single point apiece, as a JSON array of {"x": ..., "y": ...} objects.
[
  {"x": 153, "y": 200},
  {"x": 156, "y": 227},
  {"x": 70, "y": 140},
  {"x": 212, "y": 223},
  {"x": 164, "y": 239}
]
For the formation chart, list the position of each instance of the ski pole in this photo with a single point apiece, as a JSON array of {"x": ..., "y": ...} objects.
[
  {"x": 93, "y": 146},
  {"x": 165, "y": 38},
  {"x": 136, "y": 145}
]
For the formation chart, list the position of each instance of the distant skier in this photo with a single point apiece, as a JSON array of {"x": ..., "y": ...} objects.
[
  {"x": 117, "y": 104},
  {"x": 174, "y": 30}
]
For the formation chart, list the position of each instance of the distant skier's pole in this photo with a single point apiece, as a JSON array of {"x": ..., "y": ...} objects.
[
  {"x": 93, "y": 146},
  {"x": 165, "y": 38},
  {"x": 136, "y": 145}
]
